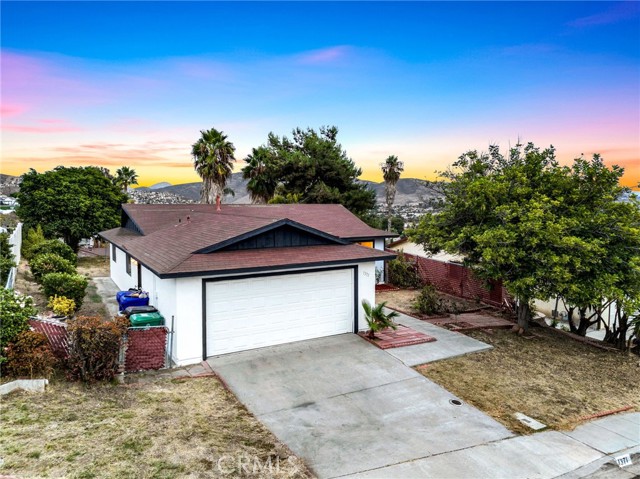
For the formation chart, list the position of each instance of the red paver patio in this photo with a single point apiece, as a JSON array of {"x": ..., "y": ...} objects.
[
  {"x": 470, "y": 321},
  {"x": 403, "y": 336}
]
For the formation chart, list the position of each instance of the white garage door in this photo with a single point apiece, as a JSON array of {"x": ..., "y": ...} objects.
[{"x": 264, "y": 311}]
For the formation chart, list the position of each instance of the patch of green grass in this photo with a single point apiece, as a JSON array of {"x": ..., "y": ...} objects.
[
  {"x": 34, "y": 455},
  {"x": 72, "y": 457}
]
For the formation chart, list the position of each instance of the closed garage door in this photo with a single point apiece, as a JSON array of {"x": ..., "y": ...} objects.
[{"x": 263, "y": 311}]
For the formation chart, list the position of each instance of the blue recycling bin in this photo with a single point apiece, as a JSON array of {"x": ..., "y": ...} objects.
[{"x": 132, "y": 298}]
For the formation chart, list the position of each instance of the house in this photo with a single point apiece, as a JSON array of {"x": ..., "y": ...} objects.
[{"x": 248, "y": 276}]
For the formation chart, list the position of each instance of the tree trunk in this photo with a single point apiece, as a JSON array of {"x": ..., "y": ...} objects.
[{"x": 524, "y": 316}]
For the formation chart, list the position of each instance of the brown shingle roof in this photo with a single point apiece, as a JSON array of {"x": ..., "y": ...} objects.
[
  {"x": 169, "y": 242},
  {"x": 333, "y": 219}
]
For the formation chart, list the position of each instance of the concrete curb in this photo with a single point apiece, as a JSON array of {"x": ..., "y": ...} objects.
[{"x": 29, "y": 385}]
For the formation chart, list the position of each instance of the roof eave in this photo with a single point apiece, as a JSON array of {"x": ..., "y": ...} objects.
[{"x": 274, "y": 267}]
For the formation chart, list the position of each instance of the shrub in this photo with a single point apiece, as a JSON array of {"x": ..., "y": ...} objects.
[
  {"x": 377, "y": 319},
  {"x": 15, "y": 310},
  {"x": 61, "y": 305},
  {"x": 32, "y": 238},
  {"x": 7, "y": 258},
  {"x": 94, "y": 347},
  {"x": 430, "y": 302},
  {"x": 56, "y": 247},
  {"x": 72, "y": 286},
  {"x": 46, "y": 263},
  {"x": 30, "y": 356},
  {"x": 403, "y": 274}
]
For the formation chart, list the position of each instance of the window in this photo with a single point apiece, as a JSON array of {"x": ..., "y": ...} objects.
[
  {"x": 128, "y": 261},
  {"x": 368, "y": 244},
  {"x": 113, "y": 252}
]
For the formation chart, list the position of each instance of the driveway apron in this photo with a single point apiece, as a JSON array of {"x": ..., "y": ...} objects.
[{"x": 347, "y": 407}]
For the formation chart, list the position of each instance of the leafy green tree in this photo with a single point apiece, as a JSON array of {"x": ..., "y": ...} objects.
[
  {"x": 69, "y": 202},
  {"x": 213, "y": 157},
  {"x": 125, "y": 177},
  {"x": 392, "y": 168},
  {"x": 507, "y": 217},
  {"x": 312, "y": 167},
  {"x": 7, "y": 258},
  {"x": 380, "y": 222},
  {"x": 260, "y": 173}
]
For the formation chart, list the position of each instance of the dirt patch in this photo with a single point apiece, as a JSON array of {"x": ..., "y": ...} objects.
[
  {"x": 93, "y": 266},
  {"x": 547, "y": 377},
  {"x": 404, "y": 299},
  {"x": 25, "y": 284},
  {"x": 192, "y": 428}
]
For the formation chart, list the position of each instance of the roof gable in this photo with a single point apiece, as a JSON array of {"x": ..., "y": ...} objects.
[{"x": 281, "y": 234}]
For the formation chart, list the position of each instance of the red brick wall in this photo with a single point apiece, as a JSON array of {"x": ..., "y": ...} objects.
[
  {"x": 457, "y": 280},
  {"x": 56, "y": 333},
  {"x": 145, "y": 348}
]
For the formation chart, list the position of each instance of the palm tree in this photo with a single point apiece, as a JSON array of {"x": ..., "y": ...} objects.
[
  {"x": 126, "y": 176},
  {"x": 213, "y": 161},
  {"x": 377, "y": 319},
  {"x": 261, "y": 184},
  {"x": 391, "y": 170}
]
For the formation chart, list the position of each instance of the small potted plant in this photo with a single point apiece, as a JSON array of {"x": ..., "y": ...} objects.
[{"x": 377, "y": 319}]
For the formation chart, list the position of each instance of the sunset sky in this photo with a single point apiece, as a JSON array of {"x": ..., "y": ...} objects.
[{"x": 131, "y": 84}]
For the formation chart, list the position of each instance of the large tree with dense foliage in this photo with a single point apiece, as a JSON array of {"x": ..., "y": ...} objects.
[
  {"x": 213, "y": 158},
  {"x": 310, "y": 167},
  {"x": 392, "y": 168},
  {"x": 541, "y": 228},
  {"x": 69, "y": 202}
]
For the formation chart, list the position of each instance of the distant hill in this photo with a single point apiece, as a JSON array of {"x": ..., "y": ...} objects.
[
  {"x": 9, "y": 184},
  {"x": 409, "y": 191},
  {"x": 157, "y": 186}
]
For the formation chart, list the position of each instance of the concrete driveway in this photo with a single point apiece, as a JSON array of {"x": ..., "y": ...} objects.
[{"x": 348, "y": 407}]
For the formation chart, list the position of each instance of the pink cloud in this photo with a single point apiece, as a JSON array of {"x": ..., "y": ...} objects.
[
  {"x": 7, "y": 110},
  {"x": 39, "y": 129},
  {"x": 322, "y": 56}
]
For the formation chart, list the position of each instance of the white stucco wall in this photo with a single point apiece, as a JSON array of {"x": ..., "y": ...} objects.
[
  {"x": 118, "y": 270},
  {"x": 378, "y": 244},
  {"x": 417, "y": 250},
  {"x": 366, "y": 290},
  {"x": 187, "y": 347}
]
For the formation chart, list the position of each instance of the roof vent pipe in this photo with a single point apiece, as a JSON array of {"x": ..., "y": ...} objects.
[{"x": 218, "y": 202}]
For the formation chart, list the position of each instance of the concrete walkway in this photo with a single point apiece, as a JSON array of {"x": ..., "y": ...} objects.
[{"x": 352, "y": 410}]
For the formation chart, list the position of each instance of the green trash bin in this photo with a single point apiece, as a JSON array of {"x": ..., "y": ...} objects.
[{"x": 146, "y": 319}]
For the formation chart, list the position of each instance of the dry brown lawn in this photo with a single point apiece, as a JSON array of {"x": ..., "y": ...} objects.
[
  {"x": 159, "y": 429},
  {"x": 548, "y": 377}
]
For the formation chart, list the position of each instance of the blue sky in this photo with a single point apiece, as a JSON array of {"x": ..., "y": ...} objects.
[{"x": 117, "y": 83}]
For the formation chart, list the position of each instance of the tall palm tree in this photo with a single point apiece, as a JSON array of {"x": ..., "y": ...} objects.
[
  {"x": 213, "y": 157},
  {"x": 261, "y": 184},
  {"x": 391, "y": 170},
  {"x": 125, "y": 177}
]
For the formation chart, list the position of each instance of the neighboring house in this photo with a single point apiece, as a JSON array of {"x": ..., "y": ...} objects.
[
  {"x": 447, "y": 273},
  {"x": 248, "y": 276}
]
